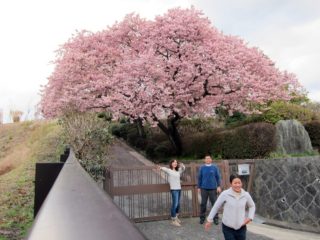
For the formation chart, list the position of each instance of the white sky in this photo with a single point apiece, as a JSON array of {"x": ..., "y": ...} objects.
[{"x": 288, "y": 31}]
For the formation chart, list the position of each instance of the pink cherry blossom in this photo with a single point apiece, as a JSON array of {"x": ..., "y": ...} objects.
[{"x": 176, "y": 66}]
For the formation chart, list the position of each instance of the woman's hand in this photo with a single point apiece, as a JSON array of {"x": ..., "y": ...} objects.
[{"x": 207, "y": 225}]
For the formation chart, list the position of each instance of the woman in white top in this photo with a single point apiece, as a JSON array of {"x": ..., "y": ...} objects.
[
  {"x": 234, "y": 200},
  {"x": 174, "y": 173}
]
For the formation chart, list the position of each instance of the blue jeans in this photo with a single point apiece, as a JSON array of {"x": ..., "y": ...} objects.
[
  {"x": 175, "y": 207},
  {"x": 232, "y": 234}
]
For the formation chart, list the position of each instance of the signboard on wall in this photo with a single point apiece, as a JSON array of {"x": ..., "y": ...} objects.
[{"x": 243, "y": 169}]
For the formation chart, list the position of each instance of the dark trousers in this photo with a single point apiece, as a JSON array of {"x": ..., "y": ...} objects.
[
  {"x": 205, "y": 194},
  {"x": 232, "y": 234}
]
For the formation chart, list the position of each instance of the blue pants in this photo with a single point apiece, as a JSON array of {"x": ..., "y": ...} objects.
[
  {"x": 175, "y": 207},
  {"x": 232, "y": 234}
]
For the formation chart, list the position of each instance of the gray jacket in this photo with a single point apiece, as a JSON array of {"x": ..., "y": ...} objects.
[{"x": 234, "y": 209}]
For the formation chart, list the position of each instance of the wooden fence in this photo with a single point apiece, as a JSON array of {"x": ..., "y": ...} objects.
[{"x": 143, "y": 192}]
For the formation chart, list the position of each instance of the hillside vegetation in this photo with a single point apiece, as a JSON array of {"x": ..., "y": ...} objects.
[{"x": 21, "y": 146}]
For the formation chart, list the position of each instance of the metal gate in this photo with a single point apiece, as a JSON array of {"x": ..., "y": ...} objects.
[{"x": 143, "y": 192}]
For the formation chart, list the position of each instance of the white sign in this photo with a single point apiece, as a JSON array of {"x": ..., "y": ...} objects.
[{"x": 243, "y": 169}]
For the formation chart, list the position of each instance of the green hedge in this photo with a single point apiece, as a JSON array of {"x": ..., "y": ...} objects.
[
  {"x": 313, "y": 129},
  {"x": 159, "y": 150},
  {"x": 197, "y": 145},
  {"x": 255, "y": 140}
]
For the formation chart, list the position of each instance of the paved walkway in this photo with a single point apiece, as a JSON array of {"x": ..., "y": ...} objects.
[
  {"x": 191, "y": 229},
  {"x": 278, "y": 233}
]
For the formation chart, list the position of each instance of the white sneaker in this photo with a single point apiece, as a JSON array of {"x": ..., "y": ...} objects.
[
  {"x": 175, "y": 223},
  {"x": 178, "y": 220}
]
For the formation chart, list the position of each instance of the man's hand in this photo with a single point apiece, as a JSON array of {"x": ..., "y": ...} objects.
[{"x": 219, "y": 190}]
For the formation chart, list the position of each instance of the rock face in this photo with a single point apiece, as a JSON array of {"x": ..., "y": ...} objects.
[{"x": 292, "y": 137}]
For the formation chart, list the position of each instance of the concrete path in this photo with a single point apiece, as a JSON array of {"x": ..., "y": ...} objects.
[
  {"x": 190, "y": 230},
  {"x": 281, "y": 233},
  {"x": 123, "y": 155}
]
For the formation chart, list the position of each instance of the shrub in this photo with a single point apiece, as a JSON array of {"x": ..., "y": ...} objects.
[
  {"x": 234, "y": 119},
  {"x": 254, "y": 140},
  {"x": 157, "y": 136},
  {"x": 123, "y": 131},
  {"x": 199, "y": 144},
  {"x": 285, "y": 111},
  {"x": 140, "y": 143},
  {"x": 150, "y": 149},
  {"x": 196, "y": 125},
  {"x": 163, "y": 150},
  {"x": 89, "y": 137},
  {"x": 132, "y": 135},
  {"x": 313, "y": 129},
  {"x": 115, "y": 129}
]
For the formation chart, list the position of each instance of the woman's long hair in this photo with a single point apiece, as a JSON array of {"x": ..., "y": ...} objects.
[{"x": 170, "y": 164}]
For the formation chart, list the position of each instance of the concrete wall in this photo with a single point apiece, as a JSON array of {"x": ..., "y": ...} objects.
[{"x": 287, "y": 192}]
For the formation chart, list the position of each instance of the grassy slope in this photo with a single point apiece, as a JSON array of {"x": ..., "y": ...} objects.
[{"x": 21, "y": 146}]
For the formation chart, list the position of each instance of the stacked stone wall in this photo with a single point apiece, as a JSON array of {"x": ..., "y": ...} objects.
[{"x": 287, "y": 191}]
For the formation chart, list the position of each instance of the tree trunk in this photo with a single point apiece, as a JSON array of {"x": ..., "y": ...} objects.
[
  {"x": 140, "y": 128},
  {"x": 172, "y": 133}
]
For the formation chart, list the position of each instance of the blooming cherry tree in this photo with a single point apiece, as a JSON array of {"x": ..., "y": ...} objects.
[{"x": 161, "y": 71}]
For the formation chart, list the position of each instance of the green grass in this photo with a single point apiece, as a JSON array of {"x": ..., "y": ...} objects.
[
  {"x": 275, "y": 155},
  {"x": 29, "y": 142}
]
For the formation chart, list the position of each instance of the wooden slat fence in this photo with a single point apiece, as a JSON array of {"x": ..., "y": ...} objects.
[{"x": 143, "y": 193}]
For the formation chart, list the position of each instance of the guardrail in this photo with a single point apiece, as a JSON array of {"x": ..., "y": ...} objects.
[{"x": 76, "y": 208}]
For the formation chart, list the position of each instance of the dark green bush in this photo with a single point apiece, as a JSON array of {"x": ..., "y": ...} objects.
[
  {"x": 313, "y": 129},
  {"x": 234, "y": 119},
  {"x": 195, "y": 125},
  {"x": 140, "y": 143},
  {"x": 150, "y": 149},
  {"x": 254, "y": 140},
  {"x": 107, "y": 116},
  {"x": 216, "y": 146},
  {"x": 199, "y": 144},
  {"x": 157, "y": 137},
  {"x": 163, "y": 150},
  {"x": 123, "y": 130},
  {"x": 115, "y": 129},
  {"x": 132, "y": 136}
]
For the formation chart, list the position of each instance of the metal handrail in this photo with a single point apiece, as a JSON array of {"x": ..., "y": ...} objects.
[{"x": 76, "y": 208}]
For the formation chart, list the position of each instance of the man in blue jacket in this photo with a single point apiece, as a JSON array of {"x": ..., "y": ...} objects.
[{"x": 209, "y": 186}]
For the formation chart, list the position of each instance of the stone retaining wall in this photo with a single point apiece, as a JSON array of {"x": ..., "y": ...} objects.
[{"x": 287, "y": 191}]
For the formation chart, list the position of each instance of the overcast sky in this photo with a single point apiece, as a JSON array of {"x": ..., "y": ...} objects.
[{"x": 288, "y": 31}]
